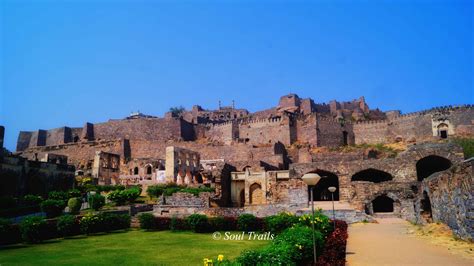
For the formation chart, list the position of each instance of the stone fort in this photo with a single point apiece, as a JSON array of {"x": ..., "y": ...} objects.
[{"x": 255, "y": 161}]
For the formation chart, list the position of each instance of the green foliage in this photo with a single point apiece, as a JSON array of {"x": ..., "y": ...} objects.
[
  {"x": 67, "y": 225},
  {"x": 278, "y": 223},
  {"x": 120, "y": 197},
  {"x": 217, "y": 223},
  {"x": 196, "y": 190},
  {"x": 52, "y": 208},
  {"x": 74, "y": 205},
  {"x": 177, "y": 224},
  {"x": 147, "y": 221},
  {"x": 92, "y": 223},
  {"x": 103, "y": 222},
  {"x": 4, "y": 226},
  {"x": 247, "y": 222},
  {"x": 58, "y": 195},
  {"x": 29, "y": 200},
  {"x": 96, "y": 201},
  {"x": 170, "y": 189},
  {"x": 74, "y": 193},
  {"x": 33, "y": 229},
  {"x": 321, "y": 221},
  {"x": 467, "y": 145},
  {"x": 198, "y": 223},
  {"x": 176, "y": 111}
]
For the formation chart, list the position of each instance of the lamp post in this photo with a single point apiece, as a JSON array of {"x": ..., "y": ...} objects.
[
  {"x": 332, "y": 190},
  {"x": 312, "y": 180}
]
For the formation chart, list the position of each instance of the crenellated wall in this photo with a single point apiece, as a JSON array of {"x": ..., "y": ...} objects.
[{"x": 264, "y": 131}]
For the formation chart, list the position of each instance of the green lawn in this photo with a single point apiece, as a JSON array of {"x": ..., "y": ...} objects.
[{"x": 133, "y": 247}]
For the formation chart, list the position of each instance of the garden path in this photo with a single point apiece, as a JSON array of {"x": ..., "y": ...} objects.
[{"x": 389, "y": 243}]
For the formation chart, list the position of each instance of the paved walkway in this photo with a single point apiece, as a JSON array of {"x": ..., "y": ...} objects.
[{"x": 387, "y": 243}]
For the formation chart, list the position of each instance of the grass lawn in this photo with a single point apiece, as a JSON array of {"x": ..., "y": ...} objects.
[{"x": 133, "y": 247}]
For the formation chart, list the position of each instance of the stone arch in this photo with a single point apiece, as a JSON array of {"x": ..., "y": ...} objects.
[
  {"x": 321, "y": 192},
  {"x": 425, "y": 206},
  {"x": 372, "y": 175},
  {"x": 443, "y": 129},
  {"x": 135, "y": 170},
  {"x": 246, "y": 167},
  {"x": 383, "y": 203},
  {"x": 149, "y": 169},
  {"x": 256, "y": 195},
  {"x": 381, "y": 199},
  {"x": 431, "y": 164}
]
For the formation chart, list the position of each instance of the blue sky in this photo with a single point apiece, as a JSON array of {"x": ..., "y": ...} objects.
[{"x": 67, "y": 62}]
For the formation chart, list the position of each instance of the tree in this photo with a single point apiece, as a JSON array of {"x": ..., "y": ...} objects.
[{"x": 177, "y": 110}]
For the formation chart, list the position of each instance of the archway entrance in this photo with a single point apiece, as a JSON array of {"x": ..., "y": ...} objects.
[
  {"x": 344, "y": 138},
  {"x": 372, "y": 175},
  {"x": 256, "y": 195},
  {"x": 430, "y": 165},
  {"x": 443, "y": 130},
  {"x": 426, "y": 208},
  {"x": 242, "y": 198},
  {"x": 382, "y": 204},
  {"x": 321, "y": 192}
]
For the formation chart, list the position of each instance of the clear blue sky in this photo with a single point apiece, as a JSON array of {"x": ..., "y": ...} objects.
[{"x": 67, "y": 62}]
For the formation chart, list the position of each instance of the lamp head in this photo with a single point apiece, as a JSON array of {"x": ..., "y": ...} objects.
[
  {"x": 311, "y": 179},
  {"x": 332, "y": 189}
]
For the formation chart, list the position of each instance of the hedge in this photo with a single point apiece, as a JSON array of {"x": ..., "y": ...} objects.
[{"x": 334, "y": 252}]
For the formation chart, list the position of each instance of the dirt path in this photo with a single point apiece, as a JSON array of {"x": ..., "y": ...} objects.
[{"x": 388, "y": 243}]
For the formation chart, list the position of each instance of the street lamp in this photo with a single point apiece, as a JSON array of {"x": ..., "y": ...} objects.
[
  {"x": 311, "y": 180},
  {"x": 332, "y": 190}
]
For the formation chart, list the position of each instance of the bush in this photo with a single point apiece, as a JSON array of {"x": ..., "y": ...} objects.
[
  {"x": 120, "y": 197},
  {"x": 301, "y": 237},
  {"x": 103, "y": 222},
  {"x": 31, "y": 200},
  {"x": 74, "y": 193},
  {"x": 67, "y": 225},
  {"x": 467, "y": 145},
  {"x": 74, "y": 205},
  {"x": 217, "y": 223},
  {"x": 178, "y": 224},
  {"x": 334, "y": 252},
  {"x": 58, "y": 195},
  {"x": 9, "y": 233},
  {"x": 53, "y": 208},
  {"x": 33, "y": 229},
  {"x": 321, "y": 221},
  {"x": 96, "y": 201},
  {"x": 247, "y": 222},
  {"x": 147, "y": 221},
  {"x": 163, "y": 223},
  {"x": 155, "y": 191},
  {"x": 198, "y": 223},
  {"x": 278, "y": 223}
]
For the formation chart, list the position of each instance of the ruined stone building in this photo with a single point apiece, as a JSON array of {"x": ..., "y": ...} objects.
[{"x": 258, "y": 159}]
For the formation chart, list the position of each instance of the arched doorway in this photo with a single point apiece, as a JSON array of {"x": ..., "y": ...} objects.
[
  {"x": 135, "y": 171},
  {"x": 242, "y": 198},
  {"x": 372, "y": 175},
  {"x": 430, "y": 165},
  {"x": 256, "y": 195},
  {"x": 382, "y": 203},
  {"x": 426, "y": 208},
  {"x": 321, "y": 192},
  {"x": 149, "y": 170},
  {"x": 344, "y": 138},
  {"x": 443, "y": 130}
]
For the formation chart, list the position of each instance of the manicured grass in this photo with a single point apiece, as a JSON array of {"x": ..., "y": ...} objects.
[{"x": 133, "y": 247}]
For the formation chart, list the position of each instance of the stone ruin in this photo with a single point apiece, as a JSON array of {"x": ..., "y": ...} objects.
[{"x": 255, "y": 161}]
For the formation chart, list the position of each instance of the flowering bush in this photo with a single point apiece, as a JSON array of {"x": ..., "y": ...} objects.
[
  {"x": 334, "y": 252},
  {"x": 92, "y": 223},
  {"x": 103, "y": 222},
  {"x": 321, "y": 221},
  {"x": 220, "y": 260},
  {"x": 278, "y": 223},
  {"x": 67, "y": 225},
  {"x": 120, "y": 197}
]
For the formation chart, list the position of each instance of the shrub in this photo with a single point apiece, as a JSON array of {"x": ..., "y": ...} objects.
[
  {"x": 301, "y": 237},
  {"x": 171, "y": 190},
  {"x": 147, "y": 221},
  {"x": 198, "y": 223},
  {"x": 58, "y": 195},
  {"x": 67, "y": 225},
  {"x": 278, "y": 223},
  {"x": 155, "y": 191},
  {"x": 74, "y": 193},
  {"x": 92, "y": 223},
  {"x": 162, "y": 223},
  {"x": 33, "y": 229},
  {"x": 74, "y": 205},
  {"x": 217, "y": 223},
  {"x": 250, "y": 258},
  {"x": 321, "y": 221},
  {"x": 115, "y": 221},
  {"x": 120, "y": 197},
  {"x": 247, "y": 222},
  {"x": 467, "y": 145},
  {"x": 53, "y": 208},
  {"x": 32, "y": 200},
  {"x": 96, "y": 201},
  {"x": 334, "y": 252},
  {"x": 178, "y": 224},
  {"x": 9, "y": 233}
]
